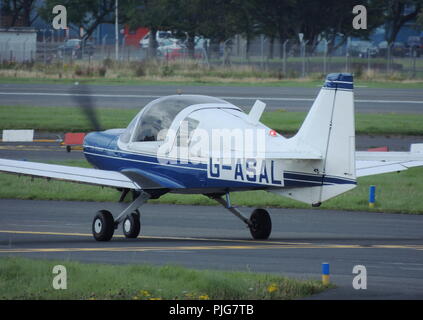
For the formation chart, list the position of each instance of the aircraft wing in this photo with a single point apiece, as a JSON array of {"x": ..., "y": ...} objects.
[
  {"x": 68, "y": 173},
  {"x": 371, "y": 163}
]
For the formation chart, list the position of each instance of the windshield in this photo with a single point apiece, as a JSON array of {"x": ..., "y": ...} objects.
[{"x": 159, "y": 114}]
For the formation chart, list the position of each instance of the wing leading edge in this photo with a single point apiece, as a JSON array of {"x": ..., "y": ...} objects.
[{"x": 68, "y": 173}]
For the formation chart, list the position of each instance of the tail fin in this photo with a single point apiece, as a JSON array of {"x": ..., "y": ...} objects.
[
  {"x": 329, "y": 126},
  {"x": 329, "y": 129}
]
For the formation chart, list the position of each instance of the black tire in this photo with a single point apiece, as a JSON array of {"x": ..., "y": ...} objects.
[
  {"x": 131, "y": 225},
  {"x": 261, "y": 224},
  {"x": 103, "y": 226}
]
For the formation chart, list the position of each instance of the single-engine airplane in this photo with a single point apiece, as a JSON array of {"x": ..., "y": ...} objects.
[{"x": 174, "y": 144}]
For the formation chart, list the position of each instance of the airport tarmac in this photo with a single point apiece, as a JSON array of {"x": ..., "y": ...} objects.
[
  {"x": 367, "y": 100},
  {"x": 390, "y": 246}
]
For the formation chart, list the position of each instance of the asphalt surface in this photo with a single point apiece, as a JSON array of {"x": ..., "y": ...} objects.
[
  {"x": 292, "y": 99},
  {"x": 38, "y": 151},
  {"x": 390, "y": 246},
  {"x": 54, "y": 151}
]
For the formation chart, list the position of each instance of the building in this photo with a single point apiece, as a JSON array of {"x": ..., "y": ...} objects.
[{"x": 18, "y": 44}]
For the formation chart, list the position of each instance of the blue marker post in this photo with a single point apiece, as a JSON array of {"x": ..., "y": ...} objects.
[
  {"x": 372, "y": 196},
  {"x": 325, "y": 273}
]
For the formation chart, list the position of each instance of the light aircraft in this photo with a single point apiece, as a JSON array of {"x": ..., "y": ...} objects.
[{"x": 155, "y": 155}]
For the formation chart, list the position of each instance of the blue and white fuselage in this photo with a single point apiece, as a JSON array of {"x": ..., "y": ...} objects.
[
  {"x": 252, "y": 157},
  {"x": 211, "y": 175}
]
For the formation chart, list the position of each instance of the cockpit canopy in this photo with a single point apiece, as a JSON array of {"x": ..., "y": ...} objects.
[{"x": 156, "y": 117}]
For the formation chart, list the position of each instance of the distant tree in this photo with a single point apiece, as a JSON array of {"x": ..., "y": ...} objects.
[
  {"x": 246, "y": 20},
  {"x": 274, "y": 19},
  {"x": 331, "y": 19},
  {"x": 338, "y": 17},
  {"x": 88, "y": 14},
  {"x": 420, "y": 19},
  {"x": 222, "y": 20},
  {"x": 18, "y": 12},
  {"x": 186, "y": 18},
  {"x": 397, "y": 13},
  {"x": 152, "y": 14}
]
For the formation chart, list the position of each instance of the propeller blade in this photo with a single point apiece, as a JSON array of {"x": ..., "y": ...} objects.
[{"x": 82, "y": 97}]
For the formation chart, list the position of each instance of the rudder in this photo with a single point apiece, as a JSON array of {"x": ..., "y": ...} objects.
[{"x": 329, "y": 129}]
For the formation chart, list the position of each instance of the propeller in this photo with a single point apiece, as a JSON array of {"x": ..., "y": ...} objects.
[{"x": 82, "y": 97}]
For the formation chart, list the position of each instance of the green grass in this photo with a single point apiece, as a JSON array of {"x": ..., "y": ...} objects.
[
  {"x": 62, "y": 119},
  {"x": 56, "y": 119},
  {"x": 22, "y": 278},
  {"x": 304, "y": 83},
  {"x": 365, "y": 123},
  {"x": 396, "y": 192}
]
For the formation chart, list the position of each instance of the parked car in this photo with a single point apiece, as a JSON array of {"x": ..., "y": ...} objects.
[
  {"x": 160, "y": 37},
  {"x": 76, "y": 48},
  {"x": 168, "y": 45}
]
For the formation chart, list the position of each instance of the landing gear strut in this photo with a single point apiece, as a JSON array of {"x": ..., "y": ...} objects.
[
  {"x": 259, "y": 223},
  {"x": 104, "y": 224}
]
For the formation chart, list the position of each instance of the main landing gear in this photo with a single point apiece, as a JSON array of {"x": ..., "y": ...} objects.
[
  {"x": 104, "y": 224},
  {"x": 259, "y": 223}
]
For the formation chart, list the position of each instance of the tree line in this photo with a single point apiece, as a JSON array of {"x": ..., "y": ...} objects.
[{"x": 220, "y": 20}]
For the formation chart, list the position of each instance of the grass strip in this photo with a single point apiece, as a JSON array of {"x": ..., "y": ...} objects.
[
  {"x": 396, "y": 192},
  {"x": 208, "y": 81},
  {"x": 23, "y": 278},
  {"x": 63, "y": 119}
]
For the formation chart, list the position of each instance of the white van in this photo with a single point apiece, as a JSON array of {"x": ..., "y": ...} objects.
[{"x": 160, "y": 37}]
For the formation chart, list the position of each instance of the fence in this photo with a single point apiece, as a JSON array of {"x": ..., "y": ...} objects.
[
  {"x": 287, "y": 58},
  {"x": 294, "y": 59}
]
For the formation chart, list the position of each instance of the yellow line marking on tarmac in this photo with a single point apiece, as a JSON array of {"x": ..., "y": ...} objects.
[
  {"x": 181, "y": 248},
  {"x": 38, "y": 149},
  {"x": 152, "y": 237},
  {"x": 167, "y": 248},
  {"x": 36, "y": 140},
  {"x": 252, "y": 245},
  {"x": 391, "y": 246},
  {"x": 45, "y": 233}
]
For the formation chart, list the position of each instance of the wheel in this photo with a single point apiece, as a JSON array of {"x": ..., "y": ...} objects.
[
  {"x": 261, "y": 224},
  {"x": 103, "y": 226},
  {"x": 68, "y": 148},
  {"x": 131, "y": 225}
]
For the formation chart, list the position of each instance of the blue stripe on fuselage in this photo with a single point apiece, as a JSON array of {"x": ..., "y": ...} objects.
[{"x": 187, "y": 174}]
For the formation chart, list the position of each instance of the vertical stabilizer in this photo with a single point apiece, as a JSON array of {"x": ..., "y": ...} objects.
[{"x": 329, "y": 128}]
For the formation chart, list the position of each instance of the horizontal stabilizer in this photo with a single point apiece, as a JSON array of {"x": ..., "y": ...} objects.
[{"x": 371, "y": 163}]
